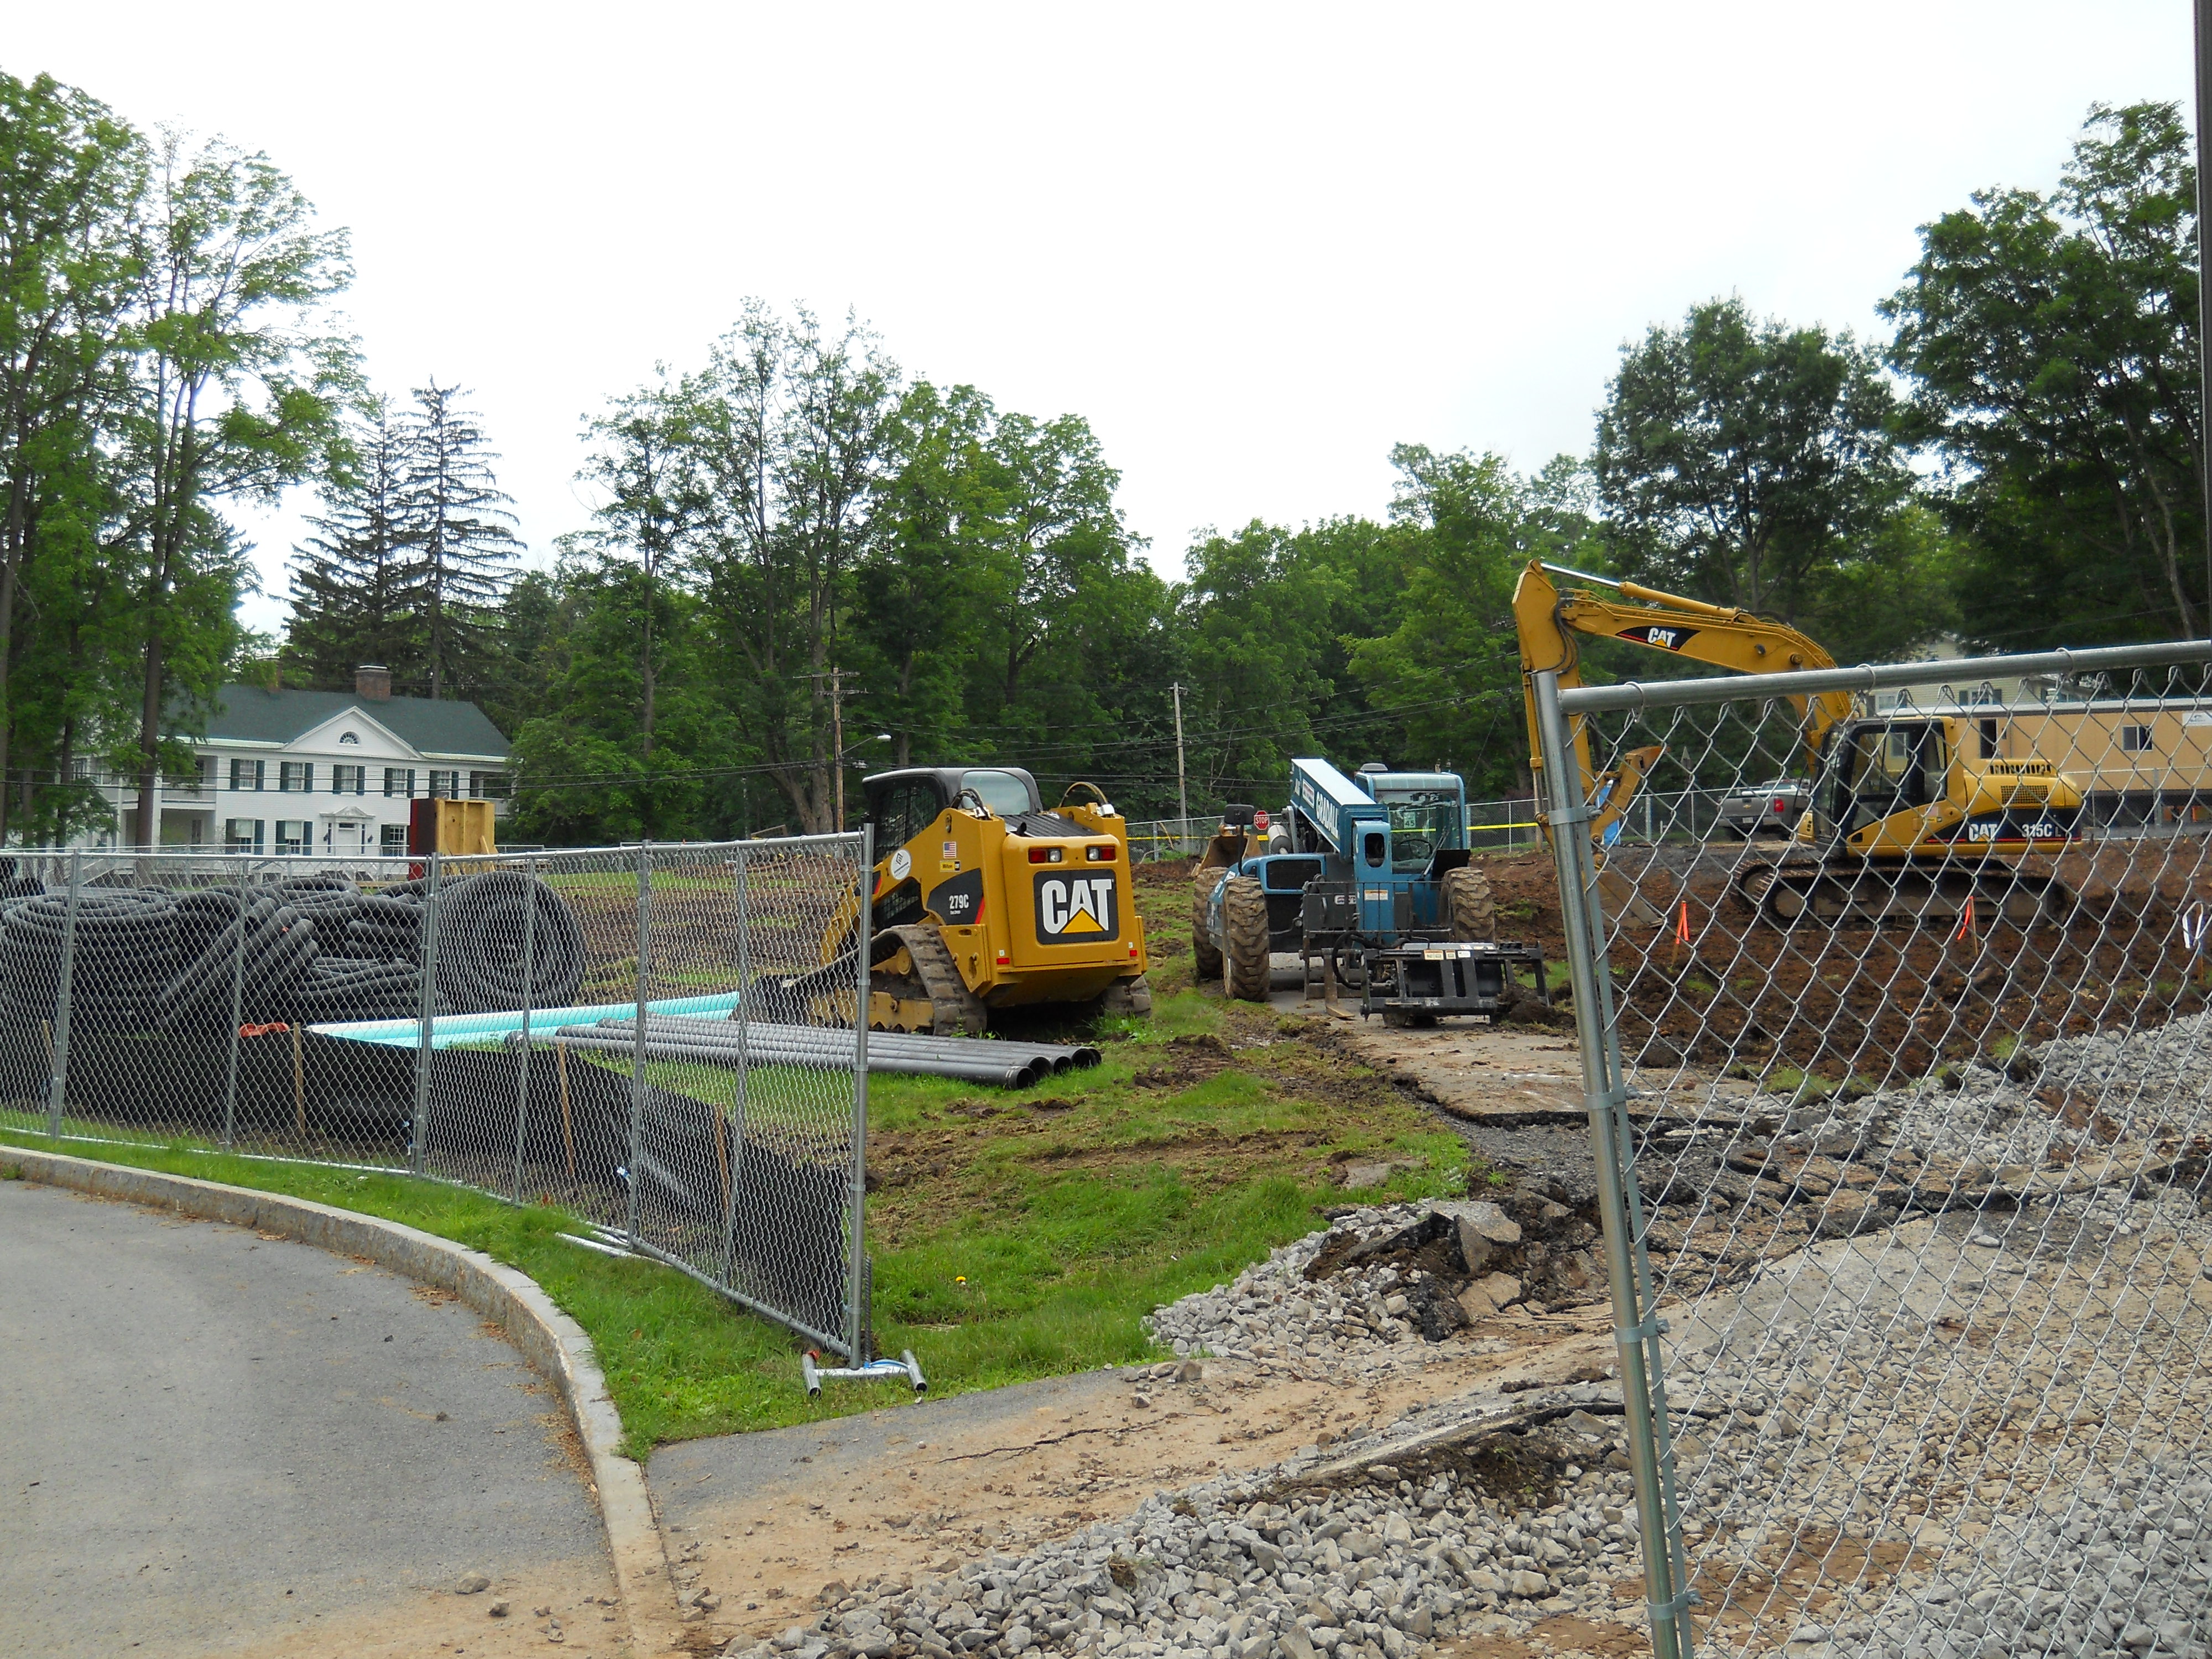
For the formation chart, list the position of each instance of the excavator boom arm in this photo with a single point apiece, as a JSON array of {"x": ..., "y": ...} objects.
[{"x": 1549, "y": 623}]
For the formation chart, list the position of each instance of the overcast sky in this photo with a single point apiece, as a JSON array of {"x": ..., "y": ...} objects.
[{"x": 1255, "y": 246}]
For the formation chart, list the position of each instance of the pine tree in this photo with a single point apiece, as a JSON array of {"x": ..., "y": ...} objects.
[
  {"x": 353, "y": 585},
  {"x": 461, "y": 540}
]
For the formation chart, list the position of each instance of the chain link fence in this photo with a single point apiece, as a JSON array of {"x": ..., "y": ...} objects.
[
  {"x": 485, "y": 1020},
  {"x": 1901, "y": 1160}
]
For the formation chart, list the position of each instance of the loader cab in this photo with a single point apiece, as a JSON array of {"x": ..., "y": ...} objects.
[
  {"x": 904, "y": 804},
  {"x": 1427, "y": 819}
]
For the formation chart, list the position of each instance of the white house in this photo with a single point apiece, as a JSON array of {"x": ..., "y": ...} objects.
[{"x": 328, "y": 773}]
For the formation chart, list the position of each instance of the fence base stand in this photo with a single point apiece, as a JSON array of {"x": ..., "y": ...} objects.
[{"x": 905, "y": 1365}]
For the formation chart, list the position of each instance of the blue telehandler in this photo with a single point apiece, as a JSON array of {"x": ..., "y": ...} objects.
[{"x": 1351, "y": 870}]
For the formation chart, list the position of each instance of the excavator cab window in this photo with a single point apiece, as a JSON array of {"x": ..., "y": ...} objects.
[
  {"x": 1892, "y": 768},
  {"x": 1374, "y": 847}
]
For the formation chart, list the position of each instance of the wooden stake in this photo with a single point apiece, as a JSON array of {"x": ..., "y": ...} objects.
[
  {"x": 299, "y": 1086},
  {"x": 567, "y": 1130}
]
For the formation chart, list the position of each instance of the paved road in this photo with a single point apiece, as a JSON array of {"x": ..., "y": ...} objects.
[{"x": 215, "y": 1442}]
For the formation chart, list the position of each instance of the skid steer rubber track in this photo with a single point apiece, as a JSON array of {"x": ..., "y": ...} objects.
[
  {"x": 1205, "y": 957},
  {"x": 1244, "y": 939},
  {"x": 1127, "y": 996},
  {"x": 955, "y": 1011},
  {"x": 1468, "y": 906}
]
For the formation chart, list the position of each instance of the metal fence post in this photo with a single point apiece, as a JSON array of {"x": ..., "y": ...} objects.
[
  {"x": 237, "y": 1006},
  {"x": 428, "y": 1006},
  {"x": 1605, "y": 1093},
  {"x": 637, "y": 1036},
  {"x": 738, "y": 1077},
  {"x": 529, "y": 997},
  {"x": 856, "y": 1317},
  {"x": 58, "y": 1078}
]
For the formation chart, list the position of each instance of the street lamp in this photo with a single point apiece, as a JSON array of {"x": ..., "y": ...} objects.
[{"x": 844, "y": 755}]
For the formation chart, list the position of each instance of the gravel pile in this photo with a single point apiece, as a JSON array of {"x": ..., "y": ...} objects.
[
  {"x": 1965, "y": 1445},
  {"x": 1270, "y": 1312},
  {"x": 1248, "y": 1566},
  {"x": 1358, "y": 1319}
]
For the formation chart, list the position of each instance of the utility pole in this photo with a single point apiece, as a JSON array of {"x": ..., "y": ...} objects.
[
  {"x": 837, "y": 676},
  {"x": 2203, "y": 10},
  {"x": 1182, "y": 786}
]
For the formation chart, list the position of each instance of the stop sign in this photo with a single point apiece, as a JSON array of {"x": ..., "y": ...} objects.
[{"x": 1260, "y": 820}]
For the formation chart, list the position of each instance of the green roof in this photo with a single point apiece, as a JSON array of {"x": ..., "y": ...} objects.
[{"x": 434, "y": 725}]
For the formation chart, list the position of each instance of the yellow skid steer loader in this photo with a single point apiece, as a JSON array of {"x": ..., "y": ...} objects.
[{"x": 983, "y": 900}]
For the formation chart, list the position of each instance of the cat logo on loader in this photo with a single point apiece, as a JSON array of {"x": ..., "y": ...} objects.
[{"x": 1078, "y": 908}]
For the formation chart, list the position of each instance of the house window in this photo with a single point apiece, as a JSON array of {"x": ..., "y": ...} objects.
[
  {"x": 242, "y": 835},
  {"x": 348, "y": 779},
  {"x": 295, "y": 777},
  {"x": 349, "y": 736},
  {"x": 295, "y": 835},
  {"x": 444, "y": 786},
  {"x": 399, "y": 780},
  {"x": 2135, "y": 740},
  {"x": 394, "y": 842},
  {"x": 487, "y": 786},
  {"x": 245, "y": 774}
]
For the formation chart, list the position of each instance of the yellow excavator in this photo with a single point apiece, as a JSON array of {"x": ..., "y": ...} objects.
[
  {"x": 1913, "y": 815},
  {"x": 983, "y": 900}
]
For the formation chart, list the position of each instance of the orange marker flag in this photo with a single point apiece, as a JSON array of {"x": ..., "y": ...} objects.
[
  {"x": 1682, "y": 925},
  {"x": 1965, "y": 920}
]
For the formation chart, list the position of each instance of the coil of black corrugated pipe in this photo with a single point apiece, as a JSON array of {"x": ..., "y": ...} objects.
[
  {"x": 355, "y": 987},
  {"x": 279, "y": 948},
  {"x": 386, "y": 929},
  {"x": 125, "y": 947},
  {"x": 481, "y": 922}
]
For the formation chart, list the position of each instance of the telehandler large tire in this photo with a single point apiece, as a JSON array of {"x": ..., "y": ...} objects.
[
  {"x": 1206, "y": 959},
  {"x": 1473, "y": 912},
  {"x": 1244, "y": 939}
]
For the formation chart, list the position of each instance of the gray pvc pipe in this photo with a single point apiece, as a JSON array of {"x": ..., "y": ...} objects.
[
  {"x": 984, "y": 1059},
  {"x": 1062, "y": 1056},
  {"x": 1008, "y": 1075}
]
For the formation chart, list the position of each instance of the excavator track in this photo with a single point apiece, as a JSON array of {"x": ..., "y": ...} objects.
[
  {"x": 1789, "y": 892},
  {"x": 927, "y": 974}
]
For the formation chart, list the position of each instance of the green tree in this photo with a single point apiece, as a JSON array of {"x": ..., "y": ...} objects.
[
  {"x": 236, "y": 392},
  {"x": 1254, "y": 612},
  {"x": 652, "y": 507},
  {"x": 791, "y": 425},
  {"x": 2053, "y": 345},
  {"x": 70, "y": 173},
  {"x": 461, "y": 539},
  {"x": 1450, "y": 670},
  {"x": 352, "y": 596},
  {"x": 921, "y": 594},
  {"x": 1757, "y": 465},
  {"x": 585, "y": 775}
]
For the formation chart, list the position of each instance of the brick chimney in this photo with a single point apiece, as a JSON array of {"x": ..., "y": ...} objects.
[{"x": 372, "y": 681}]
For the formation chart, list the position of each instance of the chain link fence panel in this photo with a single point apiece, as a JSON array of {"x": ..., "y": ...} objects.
[
  {"x": 1903, "y": 1162},
  {"x": 478, "y": 1020}
]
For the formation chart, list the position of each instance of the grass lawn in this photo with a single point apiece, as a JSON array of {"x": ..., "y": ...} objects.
[{"x": 1015, "y": 1234}]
